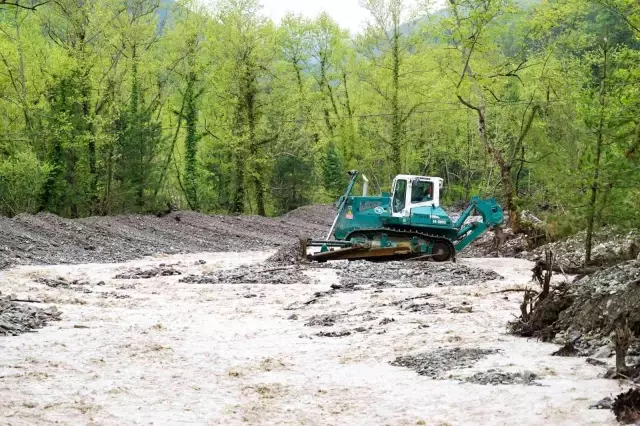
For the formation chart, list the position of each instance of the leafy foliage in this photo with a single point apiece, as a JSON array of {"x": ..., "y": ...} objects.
[{"x": 127, "y": 105}]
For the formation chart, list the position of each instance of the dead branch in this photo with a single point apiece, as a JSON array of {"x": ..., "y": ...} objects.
[{"x": 512, "y": 290}]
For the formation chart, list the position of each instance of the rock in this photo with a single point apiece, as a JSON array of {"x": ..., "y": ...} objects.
[
  {"x": 603, "y": 404},
  {"x": 461, "y": 309},
  {"x": 604, "y": 352},
  {"x": 596, "y": 362},
  {"x": 334, "y": 334},
  {"x": 386, "y": 321}
]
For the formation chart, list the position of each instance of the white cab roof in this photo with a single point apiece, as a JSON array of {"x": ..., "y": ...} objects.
[{"x": 409, "y": 177}]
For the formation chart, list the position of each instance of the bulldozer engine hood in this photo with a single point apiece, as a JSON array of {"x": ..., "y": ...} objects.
[{"x": 430, "y": 216}]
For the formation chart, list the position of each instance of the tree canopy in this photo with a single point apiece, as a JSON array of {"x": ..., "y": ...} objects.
[{"x": 113, "y": 106}]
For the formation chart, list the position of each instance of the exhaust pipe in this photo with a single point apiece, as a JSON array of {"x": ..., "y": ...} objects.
[{"x": 365, "y": 186}]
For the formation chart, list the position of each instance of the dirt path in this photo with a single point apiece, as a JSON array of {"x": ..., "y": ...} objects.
[{"x": 163, "y": 352}]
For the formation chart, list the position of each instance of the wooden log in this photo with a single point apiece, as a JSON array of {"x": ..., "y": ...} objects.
[{"x": 569, "y": 270}]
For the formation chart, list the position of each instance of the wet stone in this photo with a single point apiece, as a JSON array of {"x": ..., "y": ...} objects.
[{"x": 333, "y": 333}]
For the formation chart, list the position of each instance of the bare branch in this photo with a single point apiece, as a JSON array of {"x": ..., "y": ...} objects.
[{"x": 16, "y": 3}]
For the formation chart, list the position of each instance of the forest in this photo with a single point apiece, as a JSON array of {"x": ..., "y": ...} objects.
[{"x": 128, "y": 106}]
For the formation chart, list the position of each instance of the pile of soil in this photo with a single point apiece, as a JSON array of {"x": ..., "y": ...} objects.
[
  {"x": 488, "y": 245},
  {"x": 81, "y": 286},
  {"x": 600, "y": 301},
  {"x": 17, "y": 318},
  {"x": 497, "y": 377},
  {"x": 320, "y": 215},
  {"x": 253, "y": 274},
  {"x": 434, "y": 363},
  {"x": 609, "y": 247},
  {"x": 49, "y": 239},
  {"x": 413, "y": 273},
  {"x": 289, "y": 254},
  {"x": 140, "y": 274}
]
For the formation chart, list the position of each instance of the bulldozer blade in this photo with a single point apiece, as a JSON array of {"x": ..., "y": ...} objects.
[{"x": 358, "y": 253}]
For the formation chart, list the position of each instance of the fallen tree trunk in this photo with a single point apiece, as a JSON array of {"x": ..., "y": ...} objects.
[{"x": 542, "y": 265}]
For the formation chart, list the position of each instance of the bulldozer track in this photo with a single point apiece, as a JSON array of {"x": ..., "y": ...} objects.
[{"x": 410, "y": 234}]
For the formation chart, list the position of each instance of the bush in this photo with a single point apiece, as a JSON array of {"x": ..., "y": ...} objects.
[{"x": 22, "y": 177}]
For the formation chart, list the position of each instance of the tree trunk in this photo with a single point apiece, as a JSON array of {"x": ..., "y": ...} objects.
[
  {"x": 505, "y": 168},
  {"x": 106, "y": 205},
  {"x": 237, "y": 203},
  {"x": 258, "y": 172},
  {"x": 238, "y": 196},
  {"x": 191, "y": 149},
  {"x": 165, "y": 169},
  {"x": 396, "y": 130},
  {"x": 510, "y": 195},
  {"x": 591, "y": 214}
]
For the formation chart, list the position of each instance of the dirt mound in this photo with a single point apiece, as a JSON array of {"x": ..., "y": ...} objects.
[
  {"x": 321, "y": 215},
  {"x": 17, "y": 318},
  {"x": 609, "y": 247},
  {"x": 600, "y": 301},
  {"x": 413, "y": 273},
  {"x": 498, "y": 377},
  {"x": 142, "y": 274},
  {"x": 48, "y": 239},
  {"x": 434, "y": 363},
  {"x": 254, "y": 274},
  {"x": 488, "y": 245},
  {"x": 288, "y": 254}
]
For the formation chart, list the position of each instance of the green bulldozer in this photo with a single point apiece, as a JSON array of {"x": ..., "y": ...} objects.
[{"x": 406, "y": 224}]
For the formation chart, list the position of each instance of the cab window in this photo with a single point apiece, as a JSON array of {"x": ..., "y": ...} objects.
[
  {"x": 399, "y": 195},
  {"x": 421, "y": 191}
]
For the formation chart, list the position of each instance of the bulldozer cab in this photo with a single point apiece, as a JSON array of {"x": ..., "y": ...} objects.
[{"x": 414, "y": 191}]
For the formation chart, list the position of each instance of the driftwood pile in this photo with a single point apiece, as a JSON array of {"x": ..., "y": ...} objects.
[
  {"x": 541, "y": 309},
  {"x": 626, "y": 407}
]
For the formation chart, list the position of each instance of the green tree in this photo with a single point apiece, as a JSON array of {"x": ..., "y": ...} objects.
[{"x": 333, "y": 172}]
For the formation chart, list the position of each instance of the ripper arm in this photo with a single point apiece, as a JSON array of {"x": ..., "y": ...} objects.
[{"x": 492, "y": 215}]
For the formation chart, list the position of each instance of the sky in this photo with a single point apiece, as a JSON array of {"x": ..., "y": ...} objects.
[{"x": 347, "y": 13}]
